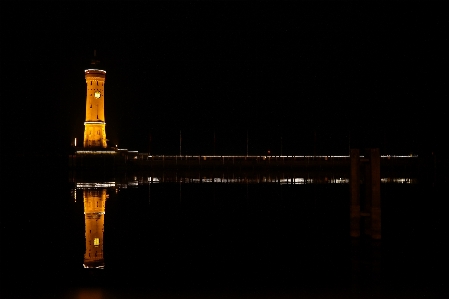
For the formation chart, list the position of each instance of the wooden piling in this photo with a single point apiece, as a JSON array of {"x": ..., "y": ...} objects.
[
  {"x": 375, "y": 194},
  {"x": 369, "y": 206},
  {"x": 355, "y": 193}
]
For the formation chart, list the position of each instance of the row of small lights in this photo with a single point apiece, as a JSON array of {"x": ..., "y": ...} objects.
[
  {"x": 294, "y": 181},
  {"x": 186, "y": 156},
  {"x": 88, "y": 70}
]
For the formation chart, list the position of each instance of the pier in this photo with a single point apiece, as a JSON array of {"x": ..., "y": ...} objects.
[{"x": 121, "y": 160}]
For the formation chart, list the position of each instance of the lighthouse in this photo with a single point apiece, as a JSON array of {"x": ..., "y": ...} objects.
[{"x": 95, "y": 125}]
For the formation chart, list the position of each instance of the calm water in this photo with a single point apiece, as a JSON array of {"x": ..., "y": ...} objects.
[{"x": 208, "y": 238}]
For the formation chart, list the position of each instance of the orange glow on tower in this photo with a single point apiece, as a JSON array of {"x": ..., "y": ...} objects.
[
  {"x": 95, "y": 125},
  {"x": 94, "y": 209}
]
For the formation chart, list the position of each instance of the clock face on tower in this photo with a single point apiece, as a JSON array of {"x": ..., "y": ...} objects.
[{"x": 97, "y": 94}]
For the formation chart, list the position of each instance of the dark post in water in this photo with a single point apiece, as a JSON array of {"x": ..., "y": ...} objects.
[
  {"x": 355, "y": 193},
  {"x": 369, "y": 207}
]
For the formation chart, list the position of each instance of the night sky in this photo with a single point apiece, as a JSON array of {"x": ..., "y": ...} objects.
[{"x": 307, "y": 78}]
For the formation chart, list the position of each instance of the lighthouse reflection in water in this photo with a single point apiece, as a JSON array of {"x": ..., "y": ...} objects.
[{"x": 94, "y": 210}]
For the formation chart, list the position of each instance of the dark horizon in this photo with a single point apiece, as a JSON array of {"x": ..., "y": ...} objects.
[{"x": 321, "y": 77}]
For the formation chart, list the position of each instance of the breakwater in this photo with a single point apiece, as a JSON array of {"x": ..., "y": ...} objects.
[{"x": 134, "y": 162}]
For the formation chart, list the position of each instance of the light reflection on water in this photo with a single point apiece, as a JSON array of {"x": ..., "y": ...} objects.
[
  {"x": 94, "y": 211},
  {"x": 95, "y": 195},
  {"x": 234, "y": 180},
  {"x": 413, "y": 216},
  {"x": 399, "y": 180},
  {"x": 321, "y": 237}
]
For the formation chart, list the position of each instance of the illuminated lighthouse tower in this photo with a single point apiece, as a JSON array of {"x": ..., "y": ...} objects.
[{"x": 95, "y": 126}]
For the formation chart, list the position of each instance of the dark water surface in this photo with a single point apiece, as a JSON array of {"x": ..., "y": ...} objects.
[{"x": 240, "y": 240}]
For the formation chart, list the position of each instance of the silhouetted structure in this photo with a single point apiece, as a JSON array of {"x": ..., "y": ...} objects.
[{"x": 365, "y": 210}]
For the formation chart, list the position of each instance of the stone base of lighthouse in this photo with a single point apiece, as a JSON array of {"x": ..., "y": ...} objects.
[{"x": 95, "y": 134}]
